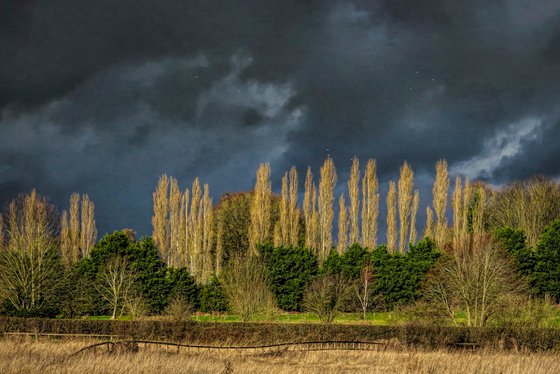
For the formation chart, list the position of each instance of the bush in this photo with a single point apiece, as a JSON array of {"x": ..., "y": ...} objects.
[
  {"x": 289, "y": 272},
  {"x": 183, "y": 286},
  {"x": 546, "y": 275},
  {"x": 178, "y": 310},
  {"x": 327, "y": 295},
  {"x": 398, "y": 277},
  {"x": 143, "y": 257},
  {"x": 246, "y": 287},
  {"x": 213, "y": 297}
]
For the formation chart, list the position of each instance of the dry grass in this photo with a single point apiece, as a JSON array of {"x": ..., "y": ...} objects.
[{"x": 51, "y": 356}]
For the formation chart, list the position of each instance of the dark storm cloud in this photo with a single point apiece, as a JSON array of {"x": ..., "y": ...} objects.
[{"x": 104, "y": 96}]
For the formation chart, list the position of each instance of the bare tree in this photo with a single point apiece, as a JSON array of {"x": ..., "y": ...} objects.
[
  {"x": 326, "y": 296},
  {"x": 363, "y": 288},
  {"x": 245, "y": 285},
  {"x": 528, "y": 205},
  {"x": 116, "y": 284},
  {"x": 30, "y": 272},
  {"x": 475, "y": 281}
]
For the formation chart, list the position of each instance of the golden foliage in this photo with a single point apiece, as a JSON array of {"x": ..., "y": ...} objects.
[
  {"x": 342, "y": 226},
  {"x": 392, "y": 218},
  {"x": 327, "y": 183},
  {"x": 354, "y": 193},
  {"x": 370, "y": 205},
  {"x": 159, "y": 218},
  {"x": 260, "y": 209},
  {"x": 415, "y": 203},
  {"x": 405, "y": 187},
  {"x": 440, "y": 191}
]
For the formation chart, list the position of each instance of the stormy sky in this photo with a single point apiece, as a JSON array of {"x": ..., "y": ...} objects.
[{"x": 104, "y": 96}]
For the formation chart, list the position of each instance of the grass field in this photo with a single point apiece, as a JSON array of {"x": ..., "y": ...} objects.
[
  {"x": 378, "y": 318},
  {"x": 52, "y": 356}
]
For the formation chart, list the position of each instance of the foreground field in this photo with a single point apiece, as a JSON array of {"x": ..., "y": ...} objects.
[{"x": 51, "y": 356}]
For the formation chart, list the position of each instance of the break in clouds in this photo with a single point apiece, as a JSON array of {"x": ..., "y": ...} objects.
[{"x": 102, "y": 97}]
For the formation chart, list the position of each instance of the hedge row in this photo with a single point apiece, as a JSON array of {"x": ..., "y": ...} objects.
[{"x": 271, "y": 333}]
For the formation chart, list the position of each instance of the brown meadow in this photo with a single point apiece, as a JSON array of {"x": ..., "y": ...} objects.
[{"x": 54, "y": 356}]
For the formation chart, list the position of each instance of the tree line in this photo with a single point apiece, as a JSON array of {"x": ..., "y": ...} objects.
[{"x": 256, "y": 252}]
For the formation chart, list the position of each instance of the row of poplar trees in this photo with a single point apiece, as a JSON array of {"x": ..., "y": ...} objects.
[{"x": 188, "y": 233}]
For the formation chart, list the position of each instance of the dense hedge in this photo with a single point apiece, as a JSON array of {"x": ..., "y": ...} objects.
[{"x": 270, "y": 333}]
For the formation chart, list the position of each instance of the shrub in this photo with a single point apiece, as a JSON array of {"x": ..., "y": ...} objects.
[
  {"x": 178, "y": 310},
  {"x": 246, "y": 287},
  {"x": 289, "y": 272},
  {"x": 398, "y": 277},
  {"x": 213, "y": 297},
  {"x": 182, "y": 285},
  {"x": 327, "y": 295}
]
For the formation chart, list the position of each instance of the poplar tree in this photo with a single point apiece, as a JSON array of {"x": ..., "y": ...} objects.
[
  {"x": 294, "y": 211},
  {"x": 440, "y": 191},
  {"x": 479, "y": 205},
  {"x": 284, "y": 223},
  {"x": 184, "y": 229},
  {"x": 78, "y": 232},
  {"x": 308, "y": 206},
  {"x": 354, "y": 194},
  {"x": 327, "y": 183},
  {"x": 415, "y": 203},
  {"x": 175, "y": 229},
  {"x": 342, "y": 226},
  {"x": 392, "y": 218},
  {"x": 314, "y": 225},
  {"x": 207, "y": 235},
  {"x": 370, "y": 205},
  {"x": 464, "y": 235},
  {"x": 405, "y": 188},
  {"x": 429, "y": 229},
  {"x": 260, "y": 209},
  {"x": 458, "y": 207},
  {"x": 88, "y": 232},
  {"x": 74, "y": 228},
  {"x": 2, "y": 239},
  {"x": 159, "y": 218},
  {"x": 194, "y": 228},
  {"x": 219, "y": 249},
  {"x": 65, "y": 242}
]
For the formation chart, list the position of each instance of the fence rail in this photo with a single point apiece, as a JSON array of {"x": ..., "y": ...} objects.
[{"x": 134, "y": 345}]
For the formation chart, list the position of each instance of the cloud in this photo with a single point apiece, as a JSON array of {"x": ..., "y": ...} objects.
[
  {"x": 106, "y": 96},
  {"x": 506, "y": 145}
]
